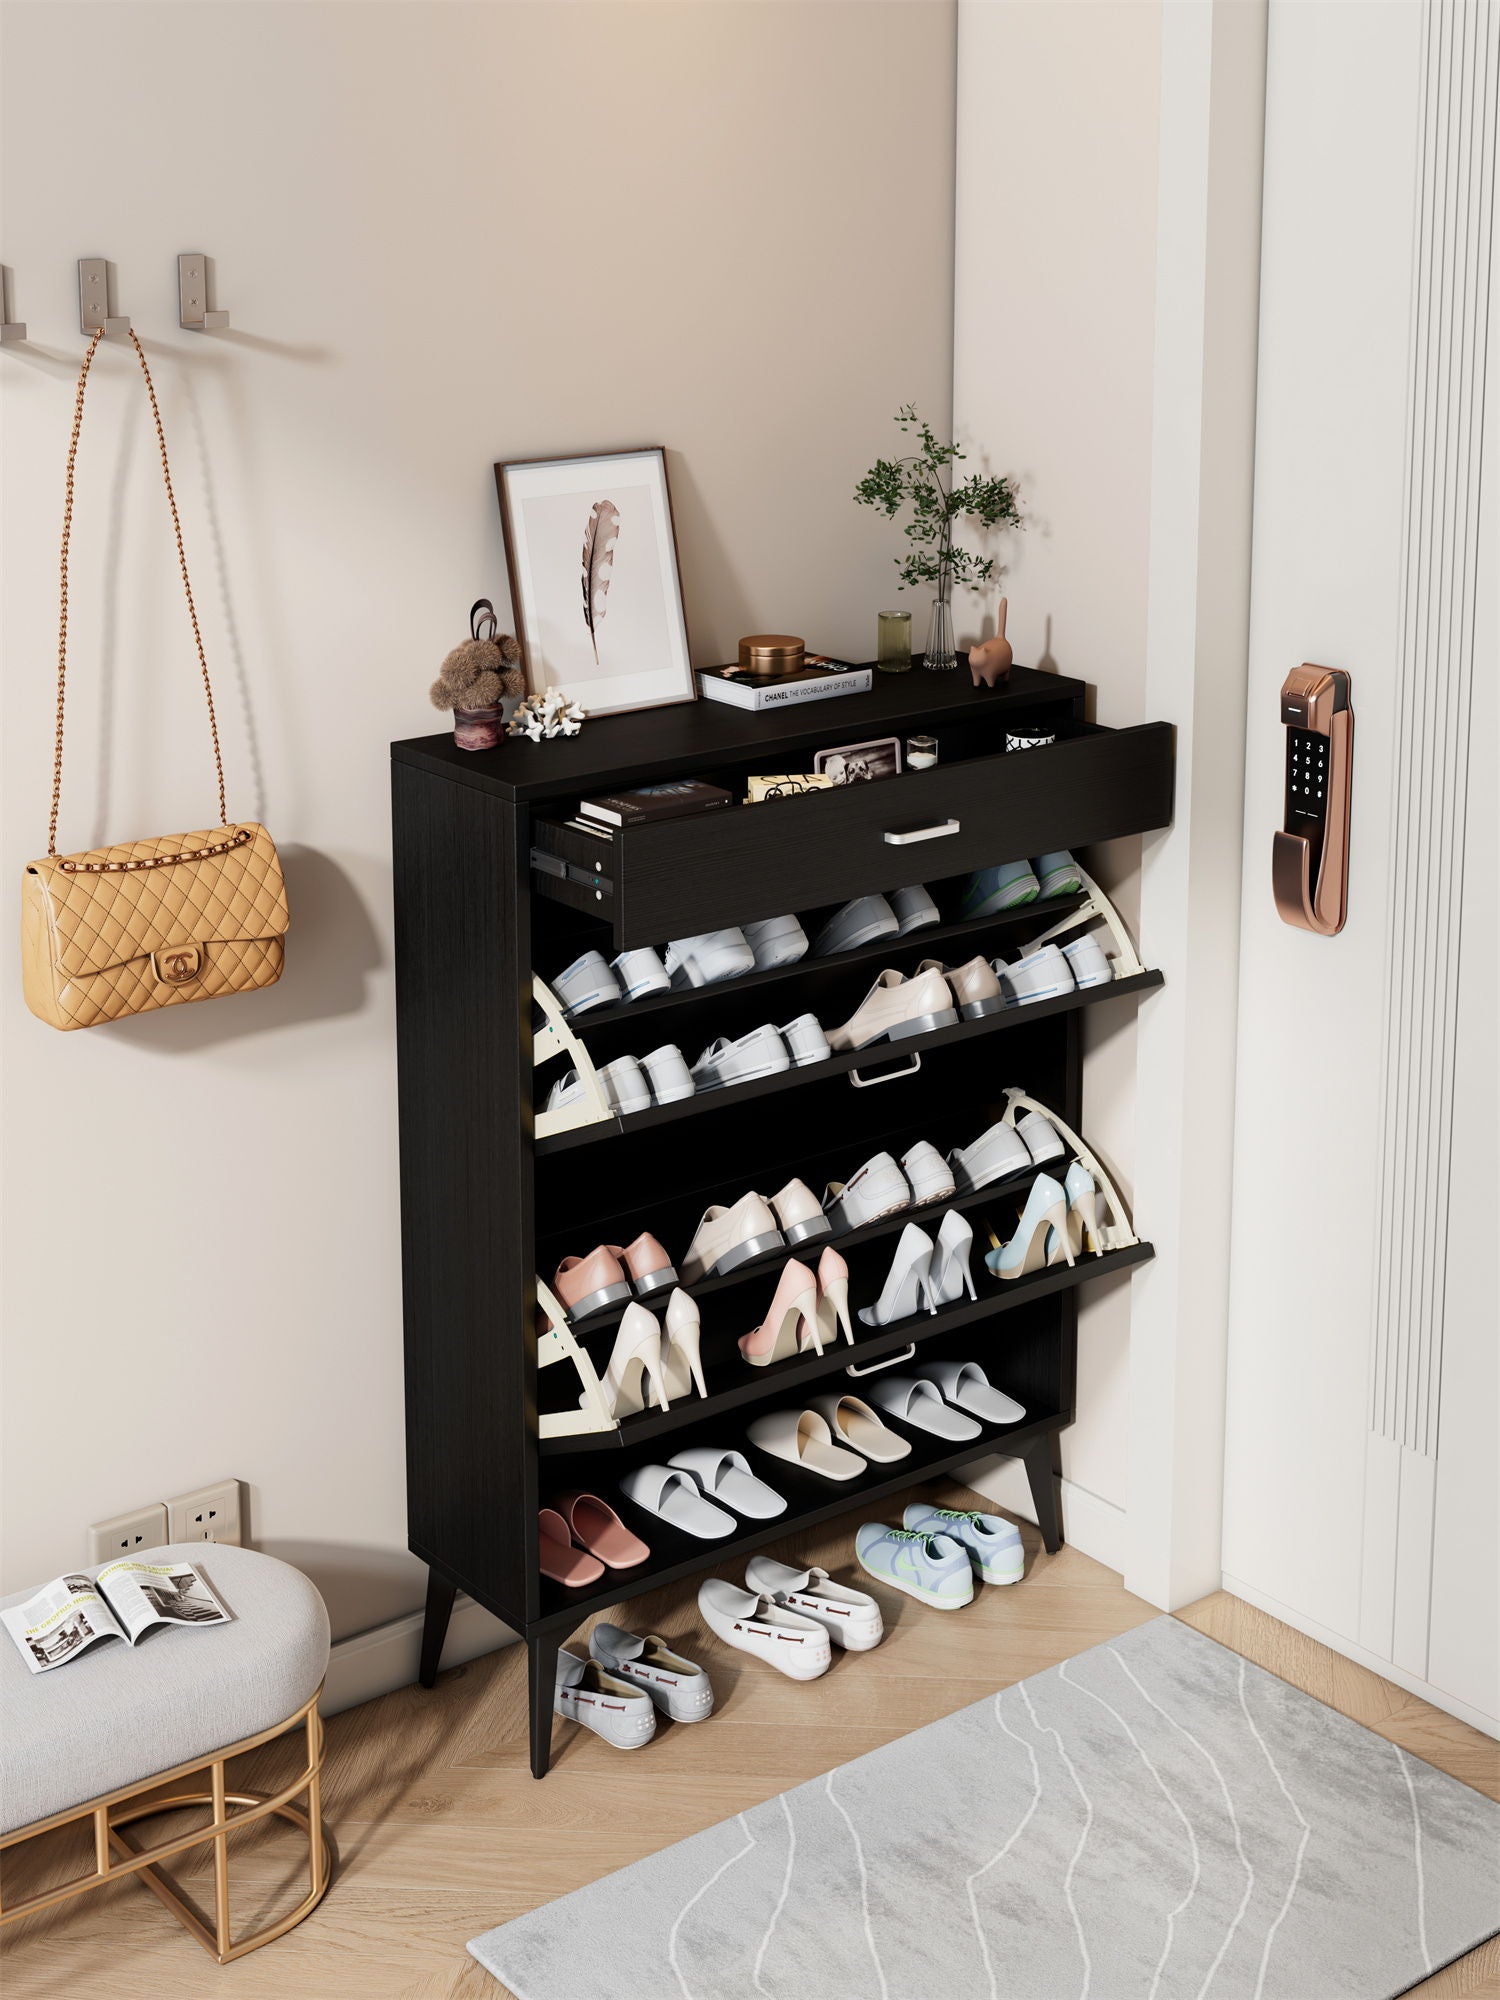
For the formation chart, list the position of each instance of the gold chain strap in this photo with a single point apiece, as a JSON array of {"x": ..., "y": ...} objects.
[{"x": 62, "y": 634}]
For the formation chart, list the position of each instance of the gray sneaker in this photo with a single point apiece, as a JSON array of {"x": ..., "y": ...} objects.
[
  {"x": 586, "y": 1693},
  {"x": 678, "y": 1687},
  {"x": 932, "y": 1568}
]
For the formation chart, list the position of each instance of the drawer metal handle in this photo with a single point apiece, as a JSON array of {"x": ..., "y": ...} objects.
[
  {"x": 905, "y": 836},
  {"x": 891, "y": 1075},
  {"x": 891, "y": 1361}
]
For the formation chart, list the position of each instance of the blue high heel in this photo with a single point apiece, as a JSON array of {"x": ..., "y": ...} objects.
[{"x": 1043, "y": 1219}]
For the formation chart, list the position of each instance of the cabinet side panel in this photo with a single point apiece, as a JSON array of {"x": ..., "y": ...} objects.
[{"x": 463, "y": 1051}]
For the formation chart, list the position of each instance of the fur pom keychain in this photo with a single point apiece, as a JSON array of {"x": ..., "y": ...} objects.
[{"x": 477, "y": 676}]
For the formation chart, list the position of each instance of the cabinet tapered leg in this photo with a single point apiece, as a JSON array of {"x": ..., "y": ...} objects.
[
  {"x": 542, "y": 1663},
  {"x": 1037, "y": 1458},
  {"x": 440, "y": 1596}
]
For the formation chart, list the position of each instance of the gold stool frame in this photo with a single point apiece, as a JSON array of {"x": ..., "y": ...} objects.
[{"x": 109, "y": 1841}]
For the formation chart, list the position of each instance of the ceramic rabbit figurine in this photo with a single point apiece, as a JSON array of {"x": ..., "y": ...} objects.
[{"x": 991, "y": 661}]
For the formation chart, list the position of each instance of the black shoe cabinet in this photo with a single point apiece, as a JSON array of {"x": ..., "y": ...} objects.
[{"x": 490, "y": 883}]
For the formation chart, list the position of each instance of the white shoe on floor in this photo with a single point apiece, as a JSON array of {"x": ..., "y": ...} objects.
[
  {"x": 851, "y": 1618},
  {"x": 759, "y": 1053},
  {"x": 928, "y": 1174},
  {"x": 776, "y": 941},
  {"x": 878, "y": 1189},
  {"x": 707, "y": 958},
  {"x": 797, "y": 1646},
  {"x": 585, "y": 1693},
  {"x": 863, "y": 921},
  {"x": 914, "y": 909},
  {"x": 677, "y": 1686}
]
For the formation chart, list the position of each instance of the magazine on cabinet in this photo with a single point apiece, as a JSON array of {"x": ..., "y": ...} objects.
[{"x": 125, "y": 1600}]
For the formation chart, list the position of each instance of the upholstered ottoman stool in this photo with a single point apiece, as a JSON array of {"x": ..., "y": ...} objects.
[{"x": 118, "y": 1722}]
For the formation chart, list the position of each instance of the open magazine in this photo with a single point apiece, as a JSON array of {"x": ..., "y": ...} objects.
[{"x": 125, "y": 1600}]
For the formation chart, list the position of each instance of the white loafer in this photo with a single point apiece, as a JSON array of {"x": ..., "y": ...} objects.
[
  {"x": 588, "y": 982},
  {"x": 897, "y": 1007},
  {"x": 759, "y": 1053},
  {"x": 878, "y": 1189},
  {"x": 776, "y": 941},
  {"x": 805, "y": 1040},
  {"x": 803, "y": 1438},
  {"x": 799, "y": 1647},
  {"x": 677, "y": 1686},
  {"x": 640, "y": 972},
  {"x": 914, "y": 909},
  {"x": 863, "y": 921},
  {"x": 1043, "y": 974},
  {"x": 673, "y": 1497},
  {"x": 585, "y": 1693},
  {"x": 1088, "y": 962},
  {"x": 928, "y": 1174},
  {"x": 707, "y": 958},
  {"x": 1040, "y": 1137},
  {"x": 851, "y": 1618},
  {"x": 625, "y": 1087},
  {"x": 726, "y": 1238},
  {"x": 993, "y": 1156},
  {"x": 725, "y": 1476},
  {"x": 670, "y": 1078}
]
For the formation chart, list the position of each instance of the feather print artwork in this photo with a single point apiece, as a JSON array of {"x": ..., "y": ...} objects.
[{"x": 598, "y": 561}]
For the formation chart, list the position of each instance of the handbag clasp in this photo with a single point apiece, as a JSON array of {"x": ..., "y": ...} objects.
[{"x": 177, "y": 964}]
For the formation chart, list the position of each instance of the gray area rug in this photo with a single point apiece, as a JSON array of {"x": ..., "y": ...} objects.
[{"x": 1156, "y": 1818}]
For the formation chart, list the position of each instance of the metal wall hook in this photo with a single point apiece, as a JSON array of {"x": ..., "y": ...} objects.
[
  {"x": 192, "y": 295},
  {"x": 93, "y": 298},
  {"x": 12, "y": 331}
]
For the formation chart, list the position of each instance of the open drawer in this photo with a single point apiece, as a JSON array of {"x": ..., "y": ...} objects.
[{"x": 675, "y": 877}]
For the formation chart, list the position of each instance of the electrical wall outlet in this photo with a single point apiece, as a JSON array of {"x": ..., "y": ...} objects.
[
  {"x": 128, "y": 1534},
  {"x": 211, "y": 1514}
]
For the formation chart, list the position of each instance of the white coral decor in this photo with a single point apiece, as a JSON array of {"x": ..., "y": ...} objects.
[{"x": 549, "y": 714}]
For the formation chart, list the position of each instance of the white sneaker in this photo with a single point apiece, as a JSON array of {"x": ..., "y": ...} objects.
[
  {"x": 1088, "y": 961},
  {"x": 759, "y": 1053},
  {"x": 588, "y": 982},
  {"x": 860, "y": 922},
  {"x": 670, "y": 1078},
  {"x": 797, "y": 1646},
  {"x": 928, "y": 1174},
  {"x": 993, "y": 1156},
  {"x": 805, "y": 1039},
  {"x": 851, "y": 1618},
  {"x": 640, "y": 972},
  {"x": 625, "y": 1087},
  {"x": 726, "y": 1238},
  {"x": 878, "y": 1189},
  {"x": 897, "y": 1007},
  {"x": 776, "y": 941},
  {"x": 707, "y": 958},
  {"x": 914, "y": 909},
  {"x": 1042, "y": 974}
]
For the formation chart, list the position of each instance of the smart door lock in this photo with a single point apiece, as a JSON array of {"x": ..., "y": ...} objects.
[{"x": 1310, "y": 855}]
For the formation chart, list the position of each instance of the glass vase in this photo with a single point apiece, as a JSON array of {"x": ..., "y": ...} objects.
[
  {"x": 893, "y": 642},
  {"x": 940, "y": 656}
]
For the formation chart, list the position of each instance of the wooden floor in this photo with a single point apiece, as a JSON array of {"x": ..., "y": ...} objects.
[{"x": 442, "y": 1831}]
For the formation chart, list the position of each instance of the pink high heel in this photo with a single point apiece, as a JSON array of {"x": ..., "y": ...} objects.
[
  {"x": 795, "y": 1300},
  {"x": 833, "y": 1298}
]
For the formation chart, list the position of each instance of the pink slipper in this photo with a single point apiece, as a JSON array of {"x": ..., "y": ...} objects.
[
  {"x": 558, "y": 1558},
  {"x": 600, "y": 1530}
]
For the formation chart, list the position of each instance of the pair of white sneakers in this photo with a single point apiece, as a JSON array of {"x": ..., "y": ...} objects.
[{"x": 790, "y": 1618}]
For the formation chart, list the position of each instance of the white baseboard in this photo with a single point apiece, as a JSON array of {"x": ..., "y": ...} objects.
[
  {"x": 1488, "y": 1725},
  {"x": 387, "y": 1656},
  {"x": 1091, "y": 1524}
]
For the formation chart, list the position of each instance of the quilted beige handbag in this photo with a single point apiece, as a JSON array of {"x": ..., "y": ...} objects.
[{"x": 151, "y": 923}]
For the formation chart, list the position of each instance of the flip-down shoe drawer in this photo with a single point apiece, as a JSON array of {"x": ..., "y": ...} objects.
[{"x": 676, "y": 877}]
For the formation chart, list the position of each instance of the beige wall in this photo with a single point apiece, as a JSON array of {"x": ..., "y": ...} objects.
[
  {"x": 446, "y": 234},
  {"x": 1053, "y": 346}
]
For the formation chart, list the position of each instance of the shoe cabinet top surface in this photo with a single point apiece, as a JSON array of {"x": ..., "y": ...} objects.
[{"x": 691, "y": 736}]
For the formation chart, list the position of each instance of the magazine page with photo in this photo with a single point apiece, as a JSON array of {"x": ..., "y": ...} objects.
[{"x": 125, "y": 1600}]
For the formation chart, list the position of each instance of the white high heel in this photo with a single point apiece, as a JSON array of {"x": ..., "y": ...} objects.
[
  {"x": 950, "y": 1276},
  {"x": 681, "y": 1362},
  {"x": 1044, "y": 1218},
  {"x": 635, "y": 1357},
  {"x": 908, "y": 1283}
]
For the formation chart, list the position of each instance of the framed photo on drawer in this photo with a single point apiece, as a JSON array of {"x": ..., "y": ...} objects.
[{"x": 592, "y": 555}]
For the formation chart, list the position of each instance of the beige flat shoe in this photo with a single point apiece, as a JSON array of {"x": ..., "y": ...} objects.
[
  {"x": 897, "y": 1007},
  {"x": 975, "y": 986}
]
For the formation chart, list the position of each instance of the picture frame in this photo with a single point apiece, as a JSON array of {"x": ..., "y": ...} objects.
[
  {"x": 860, "y": 763},
  {"x": 595, "y": 585}
]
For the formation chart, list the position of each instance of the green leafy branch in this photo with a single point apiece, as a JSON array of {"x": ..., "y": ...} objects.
[{"x": 918, "y": 481}]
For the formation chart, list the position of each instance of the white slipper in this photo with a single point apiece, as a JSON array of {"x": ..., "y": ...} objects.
[
  {"x": 855, "y": 1424},
  {"x": 804, "y": 1438},
  {"x": 851, "y": 1618},
  {"x": 965, "y": 1385},
  {"x": 726, "y": 1476},
  {"x": 919, "y": 1403},
  {"x": 796, "y": 1645},
  {"x": 673, "y": 1497}
]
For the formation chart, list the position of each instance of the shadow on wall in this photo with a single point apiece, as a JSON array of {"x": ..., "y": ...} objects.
[
  {"x": 332, "y": 948},
  {"x": 362, "y": 1586}
]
